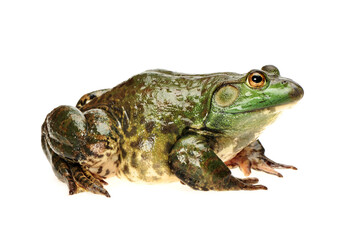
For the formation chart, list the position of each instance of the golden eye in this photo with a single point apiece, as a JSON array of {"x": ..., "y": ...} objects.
[
  {"x": 256, "y": 80},
  {"x": 226, "y": 95}
]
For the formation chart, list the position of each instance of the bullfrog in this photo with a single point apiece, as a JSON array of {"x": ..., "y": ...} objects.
[{"x": 164, "y": 126}]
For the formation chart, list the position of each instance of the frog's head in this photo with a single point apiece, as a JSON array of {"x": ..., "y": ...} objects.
[{"x": 252, "y": 102}]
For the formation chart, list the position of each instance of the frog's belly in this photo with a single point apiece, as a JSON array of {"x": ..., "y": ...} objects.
[
  {"x": 151, "y": 176},
  {"x": 106, "y": 166},
  {"x": 146, "y": 169}
]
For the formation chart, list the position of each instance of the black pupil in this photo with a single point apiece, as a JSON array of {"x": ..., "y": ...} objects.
[{"x": 257, "y": 78}]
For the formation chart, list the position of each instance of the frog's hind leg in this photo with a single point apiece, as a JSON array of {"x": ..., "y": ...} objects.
[
  {"x": 78, "y": 178},
  {"x": 65, "y": 134},
  {"x": 85, "y": 99},
  {"x": 195, "y": 164},
  {"x": 253, "y": 157}
]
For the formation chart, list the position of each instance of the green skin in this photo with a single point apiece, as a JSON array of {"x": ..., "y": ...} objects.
[{"x": 162, "y": 126}]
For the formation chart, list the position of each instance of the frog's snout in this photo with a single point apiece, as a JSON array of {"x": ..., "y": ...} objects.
[{"x": 296, "y": 92}]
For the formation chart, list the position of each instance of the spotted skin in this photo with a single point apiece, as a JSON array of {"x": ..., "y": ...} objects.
[
  {"x": 147, "y": 138},
  {"x": 198, "y": 166},
  {"x": 162, "y": 126}
]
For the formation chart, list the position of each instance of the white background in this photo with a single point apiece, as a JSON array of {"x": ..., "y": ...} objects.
[{"x": 52, "y": 52}]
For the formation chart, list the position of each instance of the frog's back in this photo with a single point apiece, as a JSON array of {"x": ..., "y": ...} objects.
[{"x": 152, "y": 110}]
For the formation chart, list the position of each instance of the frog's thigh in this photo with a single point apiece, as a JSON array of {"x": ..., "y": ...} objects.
[
  {"x": 194, "y": 163},
  {"x": 86, "y": 98},
  {"x": 63, "y": 143}
]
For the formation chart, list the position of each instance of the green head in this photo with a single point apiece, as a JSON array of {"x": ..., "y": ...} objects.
[{"x": 251, "y": 103}]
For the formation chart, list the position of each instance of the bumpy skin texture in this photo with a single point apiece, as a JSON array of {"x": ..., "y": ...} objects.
[{"x": 161, "y": 126}]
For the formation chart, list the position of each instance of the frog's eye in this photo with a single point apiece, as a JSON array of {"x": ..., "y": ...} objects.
[
  {"x": 256, "y": 80},
  {"x": 226, "y": 95}
]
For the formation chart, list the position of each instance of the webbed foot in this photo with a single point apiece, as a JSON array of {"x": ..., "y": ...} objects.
[
  {"x": 78, "y": 178},
  {"x": 86, "y": 181},
  {"x": 252, "y": 157}
]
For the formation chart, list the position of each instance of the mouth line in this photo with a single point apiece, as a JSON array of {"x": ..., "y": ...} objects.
[{"x": 276, "y": 108}]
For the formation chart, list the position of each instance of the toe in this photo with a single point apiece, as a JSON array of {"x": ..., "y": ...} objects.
[
  {"x": 273, "y": 164},
  {"x": 84, "y": 179},
  {"x": 249, "y": 180},
  {"x": 245, "y": 167},
  {"x": 267, "y": 169}
]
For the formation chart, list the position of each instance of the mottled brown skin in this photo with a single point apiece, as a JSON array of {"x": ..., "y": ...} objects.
[{"x": 161, "y": 126}]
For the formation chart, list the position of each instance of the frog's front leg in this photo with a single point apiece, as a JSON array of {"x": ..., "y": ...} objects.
[
  {"x": 74, "y": 141},
  {"x": 252, "y": 157},
  {"x": 195, "y": 164}
]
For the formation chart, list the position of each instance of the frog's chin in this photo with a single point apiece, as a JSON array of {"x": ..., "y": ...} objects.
[{"x": 252, "y": 123}]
